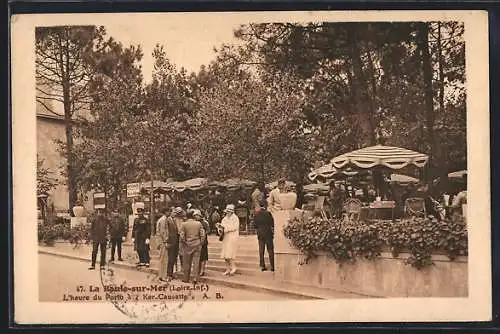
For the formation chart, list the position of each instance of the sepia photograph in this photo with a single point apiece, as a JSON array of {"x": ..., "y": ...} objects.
[{"x": 251, "y": 167}]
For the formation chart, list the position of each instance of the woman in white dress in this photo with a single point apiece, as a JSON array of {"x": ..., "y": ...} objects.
[{"x": 231, "y": 227}]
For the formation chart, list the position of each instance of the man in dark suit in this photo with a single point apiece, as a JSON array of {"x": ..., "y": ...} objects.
[
  {"x": 141, "y": 232},
  {"x": 118, "y": 230},
  {"x": 264, "y": 223},
  {"x": 99, "y": 228}
]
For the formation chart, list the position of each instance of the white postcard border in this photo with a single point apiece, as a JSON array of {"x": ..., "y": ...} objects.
[{"x": 477, "y": 306}]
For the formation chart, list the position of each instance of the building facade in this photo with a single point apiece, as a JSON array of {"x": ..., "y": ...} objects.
[{"x": 51, "y": 129}]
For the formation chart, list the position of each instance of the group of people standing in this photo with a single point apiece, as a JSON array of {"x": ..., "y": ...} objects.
[
  {"x": 102, "y": 229},
  {"x": 183, "y": 236}
]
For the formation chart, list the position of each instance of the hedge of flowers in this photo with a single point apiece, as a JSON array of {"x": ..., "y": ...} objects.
[
  {"x": 49, "y": 232},
  {"x": 345, "y": 241}
]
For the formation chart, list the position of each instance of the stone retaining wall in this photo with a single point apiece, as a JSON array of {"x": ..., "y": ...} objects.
[{"x": 383, "y": 277}]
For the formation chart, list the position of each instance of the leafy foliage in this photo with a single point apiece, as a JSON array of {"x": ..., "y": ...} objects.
[
  {"x": 402, "y": 83},
  {"x": 49, "y": 233},
  {"x": 245, "y": 129},
  {"x": 45, "y": 182},
  {"x": 105, "y": 151},
  {"x": 345, "y": 241},
  {"x": 283, "y": 98}
]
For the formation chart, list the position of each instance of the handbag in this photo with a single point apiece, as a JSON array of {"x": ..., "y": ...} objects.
[{"x": 221, "y": 236}]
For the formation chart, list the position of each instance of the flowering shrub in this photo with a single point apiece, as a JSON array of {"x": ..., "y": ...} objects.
[
  {"x": 48, "y": 233},
  {"x": 77, "y": 235},
  {"x": 345, "y": 241}
]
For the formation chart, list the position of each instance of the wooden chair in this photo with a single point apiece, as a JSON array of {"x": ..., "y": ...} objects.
[
  {"x": 415, "y": 207},
  {"x": 320, "y": 206},
  {"x": 352, "y": 209}
]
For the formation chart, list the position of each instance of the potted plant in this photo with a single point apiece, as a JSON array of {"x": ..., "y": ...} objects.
[
  {"x": 78, "y": 210},
  {"x": 288, "y": 200}
]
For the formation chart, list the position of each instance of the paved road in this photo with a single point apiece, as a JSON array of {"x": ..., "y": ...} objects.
[{"x": 63, "y": 279}]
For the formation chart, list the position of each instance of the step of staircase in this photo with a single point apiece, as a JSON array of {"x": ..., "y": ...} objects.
[
  {"x": 216, "y": 257},
  {"x": 247, "y": 252},
  {"x": 247, "y": 258},
  {"x": 217, "y": 262},
  {"x": 240, "y": 271}
]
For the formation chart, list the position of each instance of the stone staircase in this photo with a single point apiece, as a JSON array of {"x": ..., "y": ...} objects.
[{"x": 247, "y": 256}]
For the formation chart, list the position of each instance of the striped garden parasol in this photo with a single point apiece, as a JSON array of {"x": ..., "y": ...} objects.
[
  {"x": 380, "y": 155},
  {"x": 324, "y": 172},
  {"x": 328, "y": 172},
  {"x": 458, "y": 174},
  {"x": 402, "y": 179}
]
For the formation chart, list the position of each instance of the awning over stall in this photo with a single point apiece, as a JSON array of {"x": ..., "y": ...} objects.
[
  {"x": 192, "y": 184},
  {"x": 236, "y": 183}
]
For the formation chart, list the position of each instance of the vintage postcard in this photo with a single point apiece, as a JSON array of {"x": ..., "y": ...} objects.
[{"x": 251, "y": 167}]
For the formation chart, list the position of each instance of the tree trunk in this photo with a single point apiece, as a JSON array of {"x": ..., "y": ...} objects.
[
  {"x": 72, "y": 192},
  {"x": 359, "y": 87},
  {"x": 64, "y": 59},
  {"x": 423, "y": 45},
  {"x": 441, "y": 150},
  {"x": 440, "y": 70}
]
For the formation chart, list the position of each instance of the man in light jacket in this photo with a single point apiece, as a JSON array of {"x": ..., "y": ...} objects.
[
  {"x": 274, "y": 196},
  {"x": 257, "y": 197},
  {"x": 169, "y": 248},
  {"x": 192, "y": 236}
]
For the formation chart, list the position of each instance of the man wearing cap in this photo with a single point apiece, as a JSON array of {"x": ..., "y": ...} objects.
[
  {"x": 204, "y": 248},
  {"x": 274, "y": 196},
  {"x": 257, "y": 197},
  {"x": 169, "y": 248},
  {"x": 264, "y": 223},
  {"x": 99, "y": 228},
  {"x": 118, "y": 230},
  {"x": 192, "y": 236},
  {"x": 178, "y": 218},
  {"x": 231, "y": 227},
  {"x": 141, "y": 232}
]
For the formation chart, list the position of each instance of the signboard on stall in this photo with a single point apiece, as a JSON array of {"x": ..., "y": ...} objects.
[
  {"x": 133, "y": 189},
  {"x": 99, "y": 200}
]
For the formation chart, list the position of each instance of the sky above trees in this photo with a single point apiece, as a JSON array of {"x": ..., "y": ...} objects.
[{"x": 187, "y": 45}]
